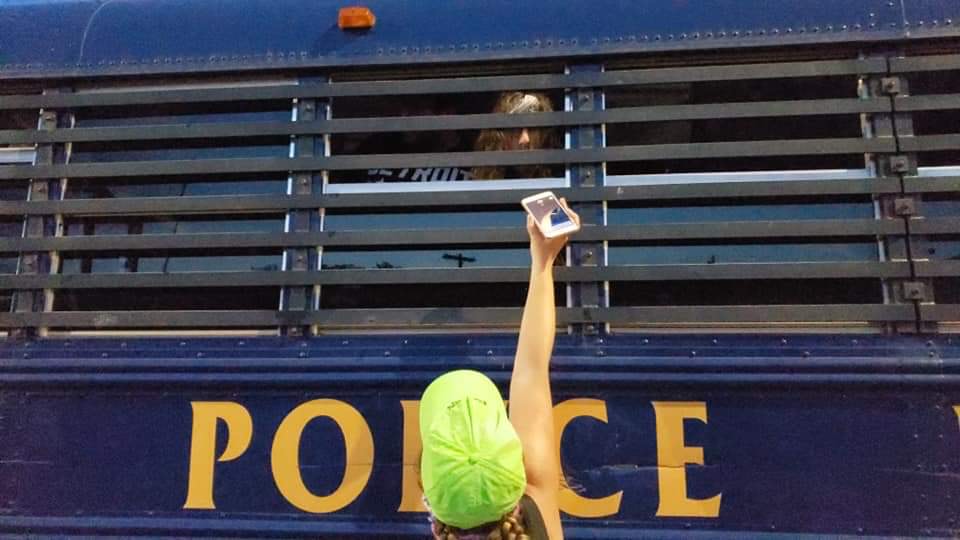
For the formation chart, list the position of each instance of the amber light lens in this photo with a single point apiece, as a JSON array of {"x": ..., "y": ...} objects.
[{"x": 356, "y": 17}]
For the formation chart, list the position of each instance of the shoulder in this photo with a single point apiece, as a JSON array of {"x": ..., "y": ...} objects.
[{"x": 547, "y": 504}]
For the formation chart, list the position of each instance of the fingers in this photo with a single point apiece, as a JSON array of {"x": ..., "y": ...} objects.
[{"x": 574, "y": 215}]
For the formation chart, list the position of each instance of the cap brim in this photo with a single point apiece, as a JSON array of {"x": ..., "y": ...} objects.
[{"x": 452, "y": 387}]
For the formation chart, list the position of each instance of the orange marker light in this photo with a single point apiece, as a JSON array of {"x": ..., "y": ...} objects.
[{"x": 356, "y": 18}]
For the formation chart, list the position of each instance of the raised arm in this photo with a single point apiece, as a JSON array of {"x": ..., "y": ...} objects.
[{"x": 531, "y": 403}]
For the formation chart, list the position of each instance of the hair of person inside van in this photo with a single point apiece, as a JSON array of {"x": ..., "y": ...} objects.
[{"x": 517, "y": 139}]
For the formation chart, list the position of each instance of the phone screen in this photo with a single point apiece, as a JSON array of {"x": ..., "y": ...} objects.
[{"x": 548, "y": 213}]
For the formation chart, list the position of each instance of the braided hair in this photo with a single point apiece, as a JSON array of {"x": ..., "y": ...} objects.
[{"x": 509, "y": 527}]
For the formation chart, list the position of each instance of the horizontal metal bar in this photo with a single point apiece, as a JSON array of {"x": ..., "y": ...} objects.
[
  {"x": 761, "y": 314},
  {"x": 931, "y": 184},
  {"x": 454, "y": 85},
  {"x": 939, "y": 62},
  {"x": 926, "y": 102},
  {"x": 262, "y": 203},
  {"x": 434, "y": 317},
  {"x": 675, "y": 272},
  {"x": 450, "y": 122},
  {"x": 930, "y": 143},
  {"x": 940, "y": 312},
  {"x": 455, "y": 159},
  {"x": 819, "y": 381},
  {"x": 745, "y": 229},
  {"x": 493, "y": 235},
  {"x": 937, "y": 268},
  {"x": 276, "y": 240},
  {"x": 130, "y": 357},
  {"x": 935, "y": 226}
]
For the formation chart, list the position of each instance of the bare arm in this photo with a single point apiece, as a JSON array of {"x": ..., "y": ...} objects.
[{"x": 531, "y": 403}]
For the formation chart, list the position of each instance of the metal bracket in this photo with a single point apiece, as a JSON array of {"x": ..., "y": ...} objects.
[
  {"x": 914, "y": 290},
  {"x": 890, "y": 86},
  {"x": 905, "y": 206},
  {"x": 899, "y": 163}
]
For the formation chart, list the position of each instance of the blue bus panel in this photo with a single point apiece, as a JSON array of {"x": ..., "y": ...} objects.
[
  {"x": 86, "y": 37},
  {"x": 729, "y": 436}
]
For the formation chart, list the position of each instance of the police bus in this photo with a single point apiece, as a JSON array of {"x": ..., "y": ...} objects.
[{"x": 239, "y": 239}]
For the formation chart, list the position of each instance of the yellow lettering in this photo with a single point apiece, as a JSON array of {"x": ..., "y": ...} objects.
[
  {"x": 570, "y": 501},
  {"x": 285, "y": 455},
  {"x": 411, "y": 496},
  {"x": 203, "y": 446},
  {"x": 672, "y": 458},
  {"x": 956, "y": 409}
]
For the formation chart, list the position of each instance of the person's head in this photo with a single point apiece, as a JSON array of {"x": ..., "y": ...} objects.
[
  {"x": 471, "y": 468},
  {"x": 518, "y": 138}
]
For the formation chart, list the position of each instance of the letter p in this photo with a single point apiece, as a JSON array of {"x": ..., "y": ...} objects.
[{"x": 203, "y": 446}]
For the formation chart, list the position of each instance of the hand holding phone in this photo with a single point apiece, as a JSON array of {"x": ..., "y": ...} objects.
[{"x": 550, "y": 216}]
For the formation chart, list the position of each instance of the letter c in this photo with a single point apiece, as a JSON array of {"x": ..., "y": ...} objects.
[{"x": 570, "y": 501}]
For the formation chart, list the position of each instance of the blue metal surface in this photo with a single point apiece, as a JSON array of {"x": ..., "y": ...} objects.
[
  {"x": 87, "y": 37},
  {"x": 806, "y": 434}
]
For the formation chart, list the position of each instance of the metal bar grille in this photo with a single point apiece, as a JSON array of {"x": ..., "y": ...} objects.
[
  {"x": 439, "y": 317},
  {"x": 759, "y": 210},
  {"x": 455, "y": 85},
  {"x": 468, "y": 159},
  {"x": 472, "y": 121},
  {"x": 475, "y": 275},
  {"x": 674, "y": 192},
  {"x": 679, "y": 231}
]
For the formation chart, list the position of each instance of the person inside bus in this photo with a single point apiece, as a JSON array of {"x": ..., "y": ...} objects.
[
  {"x": 487, "y": 474},
  {"x": 518, "y": 139}
]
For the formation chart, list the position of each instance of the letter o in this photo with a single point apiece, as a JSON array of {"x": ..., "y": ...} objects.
[{"x": 285, "y": 456}]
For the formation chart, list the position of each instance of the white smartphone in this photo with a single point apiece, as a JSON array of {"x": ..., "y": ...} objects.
[{"x": 550, "y": 217}]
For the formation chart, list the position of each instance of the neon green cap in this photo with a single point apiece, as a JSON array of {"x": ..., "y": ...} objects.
[{"x": 472, "y": 465}]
